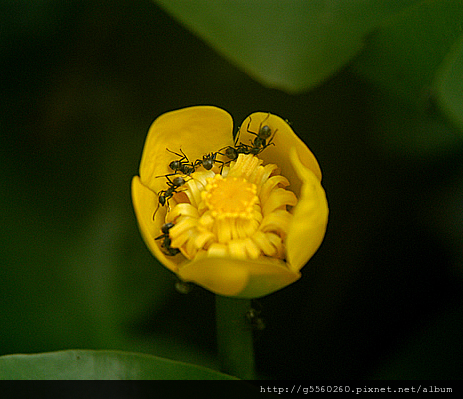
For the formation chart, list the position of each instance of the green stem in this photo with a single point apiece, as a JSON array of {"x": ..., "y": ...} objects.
[{"x": 234, "y": 337}]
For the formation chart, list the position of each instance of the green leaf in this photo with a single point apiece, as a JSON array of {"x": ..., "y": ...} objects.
[
  {"x": 404, "y": 55},
  {"x": 292, "y": 45},
  {"x": 449, "y": 84},
  {"x": 411, "y": 134},
  {"x": 100, "y": 365}
]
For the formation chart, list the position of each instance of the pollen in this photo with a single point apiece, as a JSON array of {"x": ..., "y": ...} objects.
[
  {"x": 242, "y": 210},
  {"x": 232, "y": 197}
]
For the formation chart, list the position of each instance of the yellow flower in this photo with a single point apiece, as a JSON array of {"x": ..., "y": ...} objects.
[{"x": 237, "y": 224}]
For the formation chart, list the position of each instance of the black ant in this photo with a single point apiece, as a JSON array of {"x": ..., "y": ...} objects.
[
  {"x": 166, "y": 243},
  {"x": 209, "y": 160},
  {"x": 260, "y": 143},
  {"x": 183, "y": 287},
  {"x": 182, "y": 165},
  {"x": 166, "y": 195},
  {"x": 233, "y": 152},
  {"x": 254, "y": 320}
]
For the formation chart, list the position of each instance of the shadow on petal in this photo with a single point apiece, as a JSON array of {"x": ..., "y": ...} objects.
[
  {"x": 144, "y": 203},
  {"x": 239, "y": 278}
]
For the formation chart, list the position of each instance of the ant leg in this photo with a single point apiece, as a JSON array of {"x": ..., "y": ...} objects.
[
  {"x": 182, "y": 155},
  {"x": 170, "y": 183},
  {"x": 167, "y": 176},
  {"x": 247, "y": 128},
  {"x": 161, "y": 236},
  {"x": 154, "y": 214},
  {"x": 221, "y": 162},
  {"x": 237, "y": 137},
  {"x": 268, "y": 116},
  {"x": 271, "y": 139},
  {"x": 260, "y": 126}
]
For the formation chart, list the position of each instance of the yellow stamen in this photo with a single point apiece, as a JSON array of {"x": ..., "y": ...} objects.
[
  {"x": 241, "y": 212},
  {"x": 232, "y": 197}
]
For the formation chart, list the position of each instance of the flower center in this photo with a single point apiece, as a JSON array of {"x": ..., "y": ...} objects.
[
  {"x": 232, "y": 197},
  {"x": 240, "y": 211}
]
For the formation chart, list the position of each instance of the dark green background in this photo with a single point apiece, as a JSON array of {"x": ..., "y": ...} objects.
[{"x": 82, "y": 82}]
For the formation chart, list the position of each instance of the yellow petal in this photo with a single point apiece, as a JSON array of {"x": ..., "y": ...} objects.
[
  {"x": 195, "y": 130},
  {"x": 217, "y": 249},
  {"x": 275, "y": 240},
  {"x": 181, "y": 232},
  {"x": 278, "y": 198},
  {"x": 277, "y": 222},
  {"x": 310, "y": 217},
  {"x": 260, "y": 239},
  {"x": 143, "y": 200},
  {"x": 186, "y": 210},
  {"x": 202, "y": 238},
  {"x": 284, "y": 139},
  {"x": 237, "y": 277},
  {"x": 271, "y": 183},
  {"x": 201, "y": 130},
  {"x": 237, "y": 249}
]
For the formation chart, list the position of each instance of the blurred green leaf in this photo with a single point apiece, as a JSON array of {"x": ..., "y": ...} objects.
[
  {"x": 434, "y": 353},
  {"x": 101, "y": 365},
  {"x": 404, "y": 55},
  {"x": 408, "y": 133},
  {"x": 291, "y": 46},
  {"x": 449, "y": 84}
]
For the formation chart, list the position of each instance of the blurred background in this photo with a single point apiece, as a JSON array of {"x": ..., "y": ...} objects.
[{"x": 82, "y": 81}]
